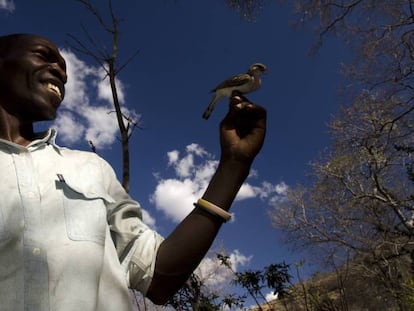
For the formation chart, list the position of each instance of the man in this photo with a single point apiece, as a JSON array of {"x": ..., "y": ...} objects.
[{"x": 70, "y": 237}]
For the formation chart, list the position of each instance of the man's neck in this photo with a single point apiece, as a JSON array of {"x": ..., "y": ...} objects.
[{"x": 15, "y": 130}]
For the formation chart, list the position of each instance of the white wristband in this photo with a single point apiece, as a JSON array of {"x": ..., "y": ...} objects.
[{"x": 213, "y": 209}]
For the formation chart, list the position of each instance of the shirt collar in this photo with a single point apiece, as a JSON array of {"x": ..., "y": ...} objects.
[
  {"x": 43, "y": 138},
  {"x": 47, "y": 137}
]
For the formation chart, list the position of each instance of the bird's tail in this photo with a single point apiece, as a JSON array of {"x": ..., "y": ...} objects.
[{"x": 210, "y": 107}]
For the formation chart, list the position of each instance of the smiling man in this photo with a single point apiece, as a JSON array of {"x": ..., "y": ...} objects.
[{"x": 71, "y": 238}]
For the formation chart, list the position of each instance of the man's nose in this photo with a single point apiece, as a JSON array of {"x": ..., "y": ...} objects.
[{"x": 58, "y": 71}]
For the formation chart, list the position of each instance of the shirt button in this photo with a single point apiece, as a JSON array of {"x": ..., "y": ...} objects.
[
  {"x": 36, "y": 251},
  {"x": 30, "y": 195}
]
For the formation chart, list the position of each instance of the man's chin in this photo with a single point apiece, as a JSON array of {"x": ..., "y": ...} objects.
[
  {"x": 48, "y": 115},
  {"x": 49, "y": 118},
  {"x": 45, "y": 107}
]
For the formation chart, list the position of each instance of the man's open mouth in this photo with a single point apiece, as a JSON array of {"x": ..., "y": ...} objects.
[{"x": 54, "y": 88}]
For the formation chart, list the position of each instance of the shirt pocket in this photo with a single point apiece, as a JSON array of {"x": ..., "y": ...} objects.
[{"x": 85, "y": 212}]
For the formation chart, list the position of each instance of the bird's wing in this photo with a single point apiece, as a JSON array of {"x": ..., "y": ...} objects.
[{"x": 236, "y": 80}]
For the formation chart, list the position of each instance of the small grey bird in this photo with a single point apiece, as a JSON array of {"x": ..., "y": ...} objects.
[{"x": 244, "y": 83}]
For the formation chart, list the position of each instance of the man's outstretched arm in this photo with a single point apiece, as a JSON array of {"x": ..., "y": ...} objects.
[{"x": 242, "y": 134}]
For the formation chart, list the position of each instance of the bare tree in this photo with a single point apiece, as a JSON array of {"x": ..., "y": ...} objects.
[
  {"x": 359, "y": 200},
  {"x": 381, "y": 35},
  {"x": 108, "y": 61}
]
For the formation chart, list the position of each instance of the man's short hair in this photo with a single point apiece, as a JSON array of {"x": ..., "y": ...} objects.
[{"x": 8, "y": 41}]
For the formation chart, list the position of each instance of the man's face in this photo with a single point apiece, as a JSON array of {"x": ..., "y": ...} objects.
[{"x": 32, "y": 79}]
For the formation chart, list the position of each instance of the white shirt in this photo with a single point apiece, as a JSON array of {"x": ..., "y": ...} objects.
[{"x": 71, "y": 238}]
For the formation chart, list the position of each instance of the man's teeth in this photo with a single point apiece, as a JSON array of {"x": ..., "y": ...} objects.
[{"x": 54, "y": 88}]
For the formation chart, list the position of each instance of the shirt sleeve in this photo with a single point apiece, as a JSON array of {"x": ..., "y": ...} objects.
[{"x": 136, "y": 244}]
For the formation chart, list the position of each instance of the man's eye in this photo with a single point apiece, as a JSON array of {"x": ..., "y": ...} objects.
[{"x": 41, "y": 54}]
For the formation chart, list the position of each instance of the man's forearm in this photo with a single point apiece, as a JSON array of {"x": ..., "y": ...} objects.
[{"x": 185, "y": 247}]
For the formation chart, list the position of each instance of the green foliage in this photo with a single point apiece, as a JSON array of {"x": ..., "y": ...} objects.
[
  {"x": 275, "y": 277},
  {"x": 250, "y": 280},
  {"x": 224, "y": 260},
  {"x": 192, "y": 297},
  {"x": 195, "y": 295},
  {"x": 233, "y": 301}
]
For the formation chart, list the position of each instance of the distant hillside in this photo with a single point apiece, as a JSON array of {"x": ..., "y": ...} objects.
[{"x": 339, "y": 291}]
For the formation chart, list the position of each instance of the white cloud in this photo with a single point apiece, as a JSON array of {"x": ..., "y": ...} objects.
[
  {"x": 214, "y": 274},
  {"x": 266, "y": 192},
  {"x": 69, "y": 129},
  {"x": 175, "y": 196},
  {"x": 196, "y": 149},
  {"x": 102, "y": 125},
  {"x": 76, "y": 88},
  {"x": 193, "y": 170},
  {"x": 148, "y": 219},
  {"x": 7, "y": 5},
  {"x": 96, "y": 122},
  {"x": 204, "y": 172},
  {"x": 173, "y": 156},
  {"x": 271, "y": 296},
  {"x": 184, "y": 167},
  {"x": 246, "y": 191}
]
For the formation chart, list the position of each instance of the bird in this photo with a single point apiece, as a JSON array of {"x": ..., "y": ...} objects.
[{"x": 243, "y": 83}]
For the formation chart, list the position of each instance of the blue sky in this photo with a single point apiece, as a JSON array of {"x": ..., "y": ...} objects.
[{"x": 186, "y": 49}]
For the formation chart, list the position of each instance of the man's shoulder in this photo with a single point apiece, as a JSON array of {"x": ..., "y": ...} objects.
[
  {"x": 80, "y": 163},
  {"x": 81, "y": 155},
  {"x": 76, "y": 152}
]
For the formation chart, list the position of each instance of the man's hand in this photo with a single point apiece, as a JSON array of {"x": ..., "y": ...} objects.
[{"x": 243, "y": 130}]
